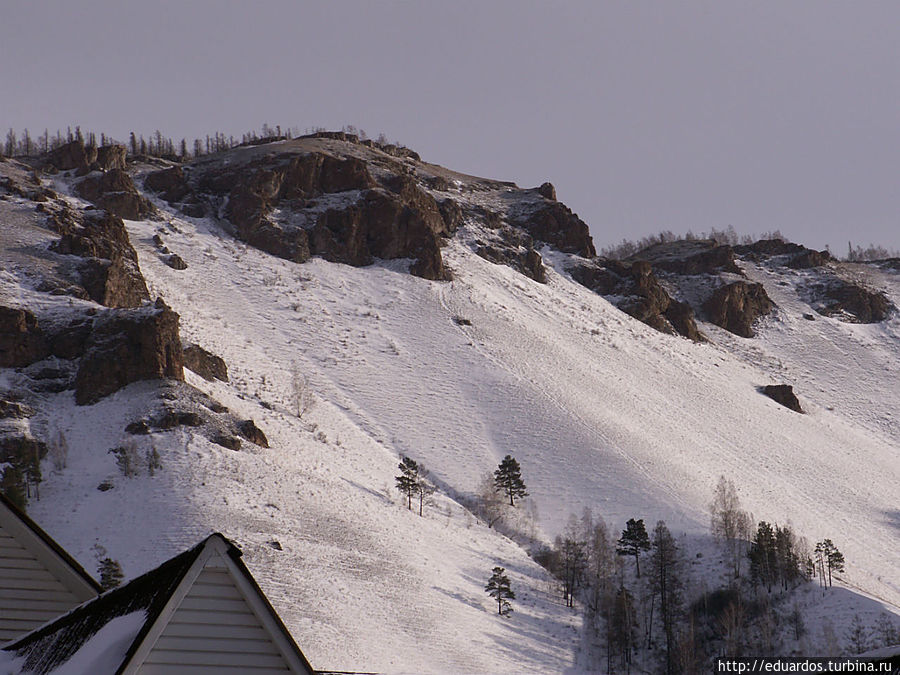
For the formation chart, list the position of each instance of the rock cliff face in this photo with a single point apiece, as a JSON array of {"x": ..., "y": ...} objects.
[
  {"x": 126, "y": 346},
  {"x": 109, "y": 272},
  {"x": 22, "y": 341}
]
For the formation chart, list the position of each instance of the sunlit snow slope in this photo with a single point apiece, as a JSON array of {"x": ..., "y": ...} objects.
[{"x": 600, "y": 410}]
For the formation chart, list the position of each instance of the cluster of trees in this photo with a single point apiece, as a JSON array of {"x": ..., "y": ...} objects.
[
  {"x": 412, "y": 483},
  {"x": 156, "y": 145},
  {"x": 871, "y": 252},
  {"x": 729, "y": 235},
  {"x": 641, "y": 605}
]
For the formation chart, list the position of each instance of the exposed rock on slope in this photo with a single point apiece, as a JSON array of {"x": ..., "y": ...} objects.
[
  {"x": 206, "y": 364},
  {"x": 127, "y": 346},
  {"x": 784, "y": 395},
  {"x": 639, "y": 294},
  {"x": 736, "y": 306},
  {"x": 22, "y": 341},
  {"x": 109, "y": 274},
  {"x": 114, "y": 191}
]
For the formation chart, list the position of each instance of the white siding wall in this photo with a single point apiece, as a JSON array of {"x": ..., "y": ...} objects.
[
  {"x": 29, "y": 594},
  {"x": 213, "y": 631}
]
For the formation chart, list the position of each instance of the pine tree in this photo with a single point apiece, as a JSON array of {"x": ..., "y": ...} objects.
[
  {"x": 634, "y": 539},
  {"x": 666, "y": 584},
  {"x": 508, "y": 479},
  {"x": 763, "y": 561},
  {"x": 407, "y": 481},
  {"x": 832, "y": 560},
  {"x": 110, "y": 573},
  {"x": 498, "y": 587}
]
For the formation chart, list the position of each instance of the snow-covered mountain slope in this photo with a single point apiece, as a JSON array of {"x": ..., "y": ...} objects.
[{"x": 600, "y": 410}]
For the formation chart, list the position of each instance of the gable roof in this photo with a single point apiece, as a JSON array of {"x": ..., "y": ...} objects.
[
  {"x": 38, "y": 579},
  {"x": 156, "y": 595}
]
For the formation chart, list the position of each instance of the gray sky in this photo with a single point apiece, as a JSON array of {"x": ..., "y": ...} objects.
[{"x": 645, "y": 115}]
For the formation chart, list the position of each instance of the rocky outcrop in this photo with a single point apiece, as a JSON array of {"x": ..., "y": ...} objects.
[
  {"x": 126, "y": 346},
  {"x": 114, "y": 191},
  {"x": 690, "y": 257},
  {"x": 639, "y": 294},
  {"x": 206, "y": 364},
  {"x": 72, "y": 155},
  {"x": 547, "y": 191},
  {"x": 783, "y": 394},
  {"x": 526, "y": 260},
  {"x": 110, "y": 157},
  {"x": 555, "y": 224},
  {"x": 253, "y": 433},
  {"x": 110, "y": 273},
  {"x": 855, "y": 303},
  {"x": 736, "y": 306},
  {"x": 22, "y": 341},
  {"x": 808, "y": 258},
  {"x": 171, "y": 184}
]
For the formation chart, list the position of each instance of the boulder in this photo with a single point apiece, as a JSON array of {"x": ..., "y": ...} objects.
[
  {"x": 126, "y": 346},
  {"x": 253, "y": 433},
  {"x": 528, "y": 262},
  {"x": 736, "y": 306},
  {"x": 22, "y": 341},
  {"x": 783, "y": 394},
  {"x": 175, "y": 262},
  {"x": 113, "y": 283},
  {"x": 206, "y": 364}
]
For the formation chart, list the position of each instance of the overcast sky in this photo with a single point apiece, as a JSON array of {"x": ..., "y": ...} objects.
[{"x": 645, "y": 115}]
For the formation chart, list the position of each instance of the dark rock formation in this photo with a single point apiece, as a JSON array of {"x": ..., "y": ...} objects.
[
  {"x": 126, "y": 346},
  {"x": 21, "y": 450},
  {"x": 644, "y": 298},
  {"x": 114, "y": 191},
  {"x": 555, "y": 224},
  {"x": 690, "y": 257},
  {"x": 175, "y": 262},
  {"x": 253, "y": 433},
  {"x": 527, "y": 260},
  {"x": 769, "y": 247},
  {"x": 226, "y": 441},
  {"x": 170, "y": 183},
  {"x": 110, "y": 275},
  {"x": 22, "y": 341},
  {"x": 206, "y": 364},
  {"x": 861, "y": 304},
  {"x": 547, "y": 191},
  {"x": 70, "y": 341},
  {"x": 404, "y": 222},
  {"x": 736, "y": 306},
  {"x": 172, "y": 419},
  {"x": 110, "y": 157},
  {"x": 783, "y": 394},
  {"x": 809, "y": 258},
  {"x": 452, "y": 215},
  {"x": 73, "y": 155}
]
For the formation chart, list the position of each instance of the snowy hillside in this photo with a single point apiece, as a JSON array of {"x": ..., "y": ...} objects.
[{"x": 600, "y": 410}]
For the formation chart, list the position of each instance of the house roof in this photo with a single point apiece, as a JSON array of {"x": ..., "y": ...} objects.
[
  {"x": 48, "y": 647},
  {"x": 10, "y": 513}
]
